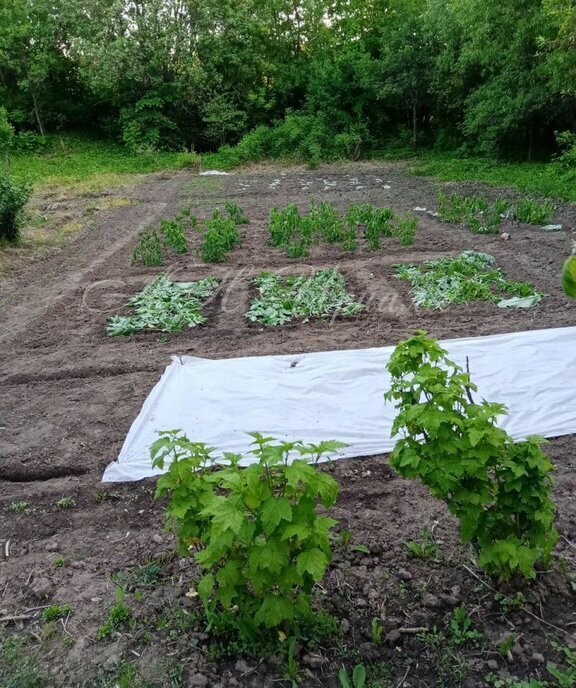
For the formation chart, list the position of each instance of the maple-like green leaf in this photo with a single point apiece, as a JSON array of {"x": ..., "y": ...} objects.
[
  {"x": 313, "y": 562},
  {"x": 274, "y": 511}
]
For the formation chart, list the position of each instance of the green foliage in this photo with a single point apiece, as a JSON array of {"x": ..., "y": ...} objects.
[
  {"x": 325, "y": 221},
  {"x": 532, "y": 212},
  {"x": 18, "y": 665},
  {"x": 567, "y": 142},
  {"x": 284, "y": 298},
  {"x": 497, "y": 488},
  {"x": 471, "y": 276},
  {"x": 22, "y": 507},
  {"x": 65, "y": 503},
  {"x": 445, "y": 657},
  {"x": 13, "y": 198},
  {"x": 164, "y": 306},
  {"x": 474, "y": 211},
  {"x": 174, "y": 235},
  {"x": 422, "y": 550},
  {"x": 510, "y": 603},
  {"x": 461, "y": 629},
  {"x": 256, "y": 531},
  {"x": 358, "y": 677},
  {"x": 377, "y": 629},
  {"x": 405, "y": 228},
  {"x": 569, "y": 274},
  {"x": 145, "y": 127},
  {"x": 565, "y": 677},
  {"x": 290, "y": 230},
  {"x": 56, "y": 611},
  {"x": 149, "y": 249},
  {"x": 220, "y": 237},
  {"x": 378, "y": 225},
  {"x": 236, "y": 213},
  {"x": 29, "y": 142},
  {"x": 118, "y": 615},
  {"x": 6, "y": 134}
]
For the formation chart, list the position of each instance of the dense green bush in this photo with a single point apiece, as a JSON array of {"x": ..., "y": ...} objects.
[
  {"x": 13, "y": 198},
  {"x": 255, "y": 531},
  {"x": 499, "y": 489}
]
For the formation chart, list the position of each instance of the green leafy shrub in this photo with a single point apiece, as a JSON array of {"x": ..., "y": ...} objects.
[
  {"x": 378, "y": 225},
  {"x": 257, "y": 534},
  {"x": 174, "y": 235},
  {"x": 220, "y": 237},
  {"x": 567, "y": 142},
  {"x": 325, "y": 221},
  {"x": 532, "y": 212},
  {"x": 498, "y": 489},
  {"x": 29, "y": 142},
  {"x": 405, "y": 228},
  {"x": 164, "y": 306},
  {"x": 283, "y": 299},
  {"x": 290, "y": 230},
  {"x": 13, "y": 198},
  {"x": 149, "y": 249},
  {"x": 236, "y": 213},
  {"x": 471, "y": 276}
]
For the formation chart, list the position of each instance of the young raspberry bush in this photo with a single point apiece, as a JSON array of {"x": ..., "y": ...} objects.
[
  {"x": 255, "y": 531},
  {"x": 499, "y": 489}
]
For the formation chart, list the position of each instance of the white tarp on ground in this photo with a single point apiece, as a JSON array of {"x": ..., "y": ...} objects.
[{"x": 339, "y": 395}]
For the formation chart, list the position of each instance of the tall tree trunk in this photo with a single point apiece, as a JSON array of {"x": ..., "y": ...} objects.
[{"x": 37, "y": 114}]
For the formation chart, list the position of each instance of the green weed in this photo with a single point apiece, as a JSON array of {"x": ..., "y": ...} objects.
[
  {"x": 118, "y": 615},
  {"x": 532, "y": 212},
  {"x": 461, "y": 630},
  {"x": 220, "y": 237},
  {"x": 174, "y": 235},
  {"x": 66, "y": 503},
  {"x": 422, "y": 550},
  {"x": 148, "y": 252},
  {"x": 56, "y": 611},
  {"x": 236, "y": 213}
]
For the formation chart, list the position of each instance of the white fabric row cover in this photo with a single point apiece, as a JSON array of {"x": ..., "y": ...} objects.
[{"x": 338, "y": 395}]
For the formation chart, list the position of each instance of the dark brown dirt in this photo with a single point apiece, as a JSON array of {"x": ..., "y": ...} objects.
[{"x": 68, "y": 395}]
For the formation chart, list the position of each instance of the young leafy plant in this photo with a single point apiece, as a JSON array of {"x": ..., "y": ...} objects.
[
  {"x": 405, "y": 228},
  {"x": 164, "y": 306},
  {"x": 499, "y": 489},
  {"x": 148, "y": 252},
  {"x": 290, "y": 230},
  {"x": 530, "y": 211},
  {"x": 326, "y": 222},
  {"x": 174, "y": 236},
  {"x": 221, "y": 237},
  {"x": 283, "y": 299},
  {"x": 255, "y": 531},
  {"x": 119, "y": 615},
  {"x": 461, "y": 629},
  {"x": 236, "y": 213},
  {"x": 471, "y": 276}
]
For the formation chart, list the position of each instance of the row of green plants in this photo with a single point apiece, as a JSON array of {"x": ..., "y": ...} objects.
[
  {"x": 261, "y": 534},
  {"x": 13, "y": 198},
  {"x": 483, "y": 217},
  {"x": 471, "y": 276},
  {"x": 296, "y": 232},
  {"x": 165, "y": 306},
  {"x": 219, "y": 236}
]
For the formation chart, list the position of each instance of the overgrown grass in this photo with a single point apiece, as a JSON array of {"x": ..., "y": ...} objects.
[
  {"x": 539, "y": 178},
  {"x": 73, "y": 158}
]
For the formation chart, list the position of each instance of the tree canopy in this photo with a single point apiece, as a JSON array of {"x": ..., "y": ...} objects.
[{"x": 492, "y": 77}]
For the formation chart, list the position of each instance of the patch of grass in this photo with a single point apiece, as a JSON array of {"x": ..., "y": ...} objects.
[
  {"x": 18, "y": 667},
  {"x": 56, "y": 611},
  {"x": 469, "y": 277},
  {"x": 150, "y": 573},
  {"x": 284, "y": 299},
  {"x": 70, "y": 159},
  {"x": 448, "y": 662},
  {"x": 118, "y": 615},
  {"x": 164, "y": 306},
  {"x": 539, "y": 178},
  {"x": 59, "y": 563}
]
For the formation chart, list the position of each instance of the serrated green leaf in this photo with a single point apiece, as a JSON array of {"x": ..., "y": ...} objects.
[{"x": 313, "y": 562}]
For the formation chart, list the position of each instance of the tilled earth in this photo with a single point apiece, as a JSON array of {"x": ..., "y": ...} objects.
[{"x": 69, "y": 393}]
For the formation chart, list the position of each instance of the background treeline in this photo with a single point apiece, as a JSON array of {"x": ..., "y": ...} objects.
[{"x": 315, "y": 78}]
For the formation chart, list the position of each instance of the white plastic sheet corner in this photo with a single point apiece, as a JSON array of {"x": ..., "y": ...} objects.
[{"x": 338, "y": 395}]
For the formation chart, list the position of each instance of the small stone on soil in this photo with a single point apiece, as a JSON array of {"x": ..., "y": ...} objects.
[
  {"x": 42, "y": 588},
  {"x": 52, "y": 546}
]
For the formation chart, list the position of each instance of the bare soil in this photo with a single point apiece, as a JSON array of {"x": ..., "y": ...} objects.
[{"x": 68, "y": 395}]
